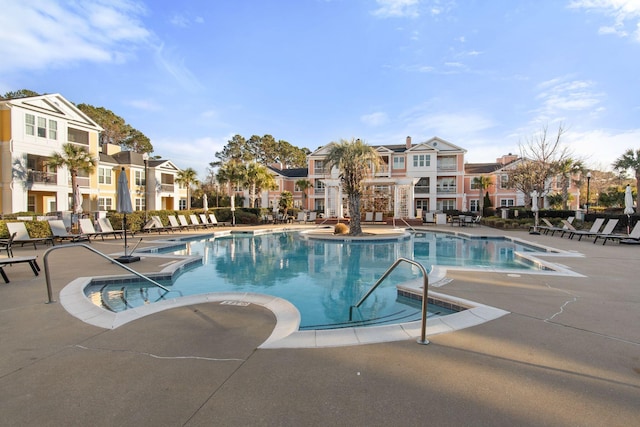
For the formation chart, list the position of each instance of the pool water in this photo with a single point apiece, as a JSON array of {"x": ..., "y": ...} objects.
[{"x": 322, "y": 278}]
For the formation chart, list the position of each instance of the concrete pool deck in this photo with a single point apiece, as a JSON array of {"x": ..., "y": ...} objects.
[{"x": 568, "y": 353}]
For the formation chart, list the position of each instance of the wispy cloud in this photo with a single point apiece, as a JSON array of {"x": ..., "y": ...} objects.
[
  {"x": 169, "y": 60},
  {"x": 625, "y": 15},
  {"x": 375, "y": 119},
  {"x": 411, "y": 8},
  {"x": 40, "y": 34},
  {"x": 183, "y": 21},
  {"x": 145, "y": 105},
  {"x": 561, "y": 95}
]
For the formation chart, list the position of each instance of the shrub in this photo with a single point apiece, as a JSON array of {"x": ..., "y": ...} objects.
[{"x": 341, "y": 229}]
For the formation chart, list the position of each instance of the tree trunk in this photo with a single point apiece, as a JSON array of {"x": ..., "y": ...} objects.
[
  {"x": 355, "y": 228},
  {"x": 74, "y": 183}
]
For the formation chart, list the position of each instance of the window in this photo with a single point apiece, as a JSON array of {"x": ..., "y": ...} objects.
[
  {"x": 504, "y": 181},
  {"x": 446, "y": 185},
  {"x": 506, "y": 203},
  {"x": 105, "y": 203},
  {"x": 421, "y": 160},
  {"x": 447, "y": 163},
  {"x": 446, "y": 205},
  {"x": 474, "y": 205},
  {"x": 140, "y": 204},
  {"x": 31, "y": 203},
  {"x": 42, "y": 127},
  {"x": 104, "y": 176},
  {"x": 182, "y": 204},
  {"x": 474, "y": 185},
  {"x": 398, "y": 162},
  {"x": 319, "y": 187},
  {"x": 319, "y": 166},
  {"x": 30, "y": 124},
  {"x": 139, "y": 178},
  {"x": 53, "y": 129}
]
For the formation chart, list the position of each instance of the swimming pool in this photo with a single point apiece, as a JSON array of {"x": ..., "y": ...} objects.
[{"x": 322, "y": 278}]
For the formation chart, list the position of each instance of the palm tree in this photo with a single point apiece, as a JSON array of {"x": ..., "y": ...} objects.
[
  {"x": 356, "y": 161},
  {"x": 304, "y": 185},
  {"x": 231, "y": 173},
  {"x": 258, "y": 178},
  {"x": 75, "y": 159},
  {"x": 630, "y": 160},
  {"x": 482, "y": 182},
  {"x": 187, "y": 177},
  {"x": 567, "y": 168}
]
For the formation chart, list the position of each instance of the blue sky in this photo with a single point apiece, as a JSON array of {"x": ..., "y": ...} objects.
[{"x": 484, "y": 75}]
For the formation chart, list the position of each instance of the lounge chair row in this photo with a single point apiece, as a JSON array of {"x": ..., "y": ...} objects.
[
  {"x": 599, "y": 230},
  {"x": 180, "y": 223}
]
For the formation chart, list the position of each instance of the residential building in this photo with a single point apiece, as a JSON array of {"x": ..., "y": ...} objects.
[
  {"x": 412, "y": 179},
  {"x": 33, "y": 129}
]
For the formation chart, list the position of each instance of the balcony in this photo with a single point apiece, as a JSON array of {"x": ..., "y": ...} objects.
[
  {"x": 421, "y": 190},
  {"x": 42, "y": 177},
  {"x": 447, "y": 168},
  {"x": 167, "y": 188},
  {"x": 318, "y": 191}
]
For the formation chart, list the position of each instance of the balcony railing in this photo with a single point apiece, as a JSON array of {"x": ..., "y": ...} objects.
[
  {"x": 318, "y": 191},
  {"x": 42, "y": 177},
  {"x": 445, "y": 168},
  {"x": 446, "y": 190},
  {"x": 167, "y": 188},
  {"x": 421, "y": 190}
]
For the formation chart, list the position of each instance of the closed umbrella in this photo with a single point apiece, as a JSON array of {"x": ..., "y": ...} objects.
[
  {"x": 205, "y": 203},
  {"x": 534, "y": 208},
  {"x": 464, "y": 202},
  {"x": 124, "y": 206},
  {"x": 77, "y": 200},
  {"x": 628, "y": 205},
  {"x": 233, "y": 209}
]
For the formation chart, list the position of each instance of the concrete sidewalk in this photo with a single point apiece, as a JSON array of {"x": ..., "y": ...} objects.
[{"x": 568, "y": 354}]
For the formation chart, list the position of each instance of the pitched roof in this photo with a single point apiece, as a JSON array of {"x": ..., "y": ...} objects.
[
  {"x": 291, "y": 173},
  {"x": 478, "y": 168}
]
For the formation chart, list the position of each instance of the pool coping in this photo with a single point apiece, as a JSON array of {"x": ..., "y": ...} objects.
[{"x": 285, "y": 333}]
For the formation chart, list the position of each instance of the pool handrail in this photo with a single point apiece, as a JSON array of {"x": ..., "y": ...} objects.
[
  {"x": 48, "y": 277},
  {"x": 425, "y": 291}
]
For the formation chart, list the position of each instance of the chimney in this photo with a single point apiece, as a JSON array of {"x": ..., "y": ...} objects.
[{"x": 408, "y": 142}]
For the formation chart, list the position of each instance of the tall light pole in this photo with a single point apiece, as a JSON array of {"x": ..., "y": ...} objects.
[
  {"x": 588, "y": 188},
  {"x": 145, "y": 159}
]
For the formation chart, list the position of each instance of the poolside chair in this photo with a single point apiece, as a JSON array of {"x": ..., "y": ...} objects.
[
  {"x": 312, "y": 217},
  {"x": 368, "y": 217},
  {"x": 87, "y": 228},
  {"x": 595, "y": 228},
  {"x": 60, "y": 232},
  {"x": 205, "y": 221},
  {"x": 184, "y": 223},
  {"x": 215, "y": 221},
  {"x": 378, "y": 217},
  {"x": 632, "y": 238},
  {"x": 22, "y": 235},
  {"x": 6, "y": 244},
  {"x": 548, "y": 227},
  {"x": 31, "y": 260},
  {"x": 174, "y": 224},
  {"x": 106, "y": 227},
  {"x": 196, "y": 222},
  {"x": 302, "y": 217},
  {"x": 155, "y": 224}
]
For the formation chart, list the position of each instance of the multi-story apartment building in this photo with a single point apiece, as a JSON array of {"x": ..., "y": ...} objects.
[
  {"x": 412, "y": 178},
  {"x": 33, "y": 129}
]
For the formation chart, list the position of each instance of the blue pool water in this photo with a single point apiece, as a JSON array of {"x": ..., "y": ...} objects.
[{"x": 322, "y": 278}]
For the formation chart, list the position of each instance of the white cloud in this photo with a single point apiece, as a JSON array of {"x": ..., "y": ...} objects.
[
  {"x": 375, "y": 119},
  {"x": 560, "y": 96},
  {"x": 457, "y": 126},
  {"x": 612, "y": 143},
  {"x": 624, "y": 13},
  {"x": 397, "y": 8},
  {"x": 146, "y": 105},
  {"x": 39, "y": 34},
  {"x": 193, "y": 153},
  {"x": 174, "y": 65}
]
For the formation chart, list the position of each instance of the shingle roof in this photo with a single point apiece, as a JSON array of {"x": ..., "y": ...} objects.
[
  {"x": 474, "y": 168},
  {"x": 291, "y": 173}
]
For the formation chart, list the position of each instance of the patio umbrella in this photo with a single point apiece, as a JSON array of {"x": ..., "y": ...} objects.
[
  {"x": 628, "y": 205},
  {"x": 534, "y": 208},
  {"x": 77, "y": 200},
  {"x": 233, "y": 209},
  {"x": 124, "y": 206},
  {"x": 205, "y": 202}
]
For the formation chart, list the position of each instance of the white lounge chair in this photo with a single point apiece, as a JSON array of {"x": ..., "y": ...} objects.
[
  {"x": 378, "y": 217},
  {"x": 185, "y": 224},
  {"x": 595, "y": 228},
  {"x": 632, "y": 237},
  {"x": 204, "y": 221},
  {"x": 368, "y": 217},
  {"x": 31, "y": 260},
  {"x": 87, "y": 228},
  {"x": 312, "y": 217},
  {"x": 60, "y": 232},
  {"x": 22, "y": 235},
  {"x": 302, "y": 217},
  {"x": 106, "y": 227},
  {"x": 195, "y": 222},
  {"x": 215, "y": 221}
]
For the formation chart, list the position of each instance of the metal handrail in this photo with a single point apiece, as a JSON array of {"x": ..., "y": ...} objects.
[
  {"x": 130, "y": 270},
  {"x": 425, "y": 292}
]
